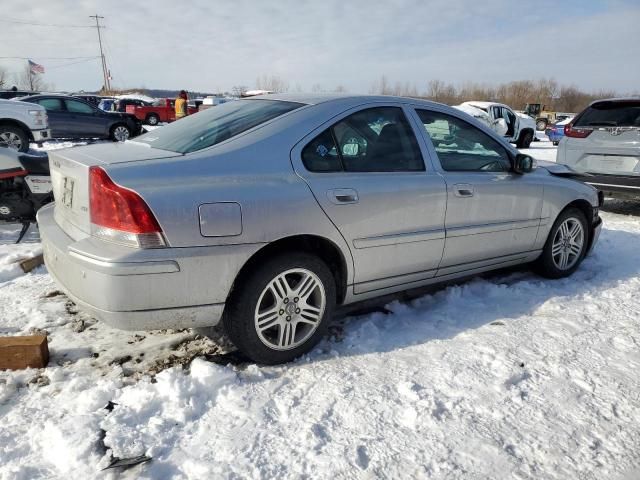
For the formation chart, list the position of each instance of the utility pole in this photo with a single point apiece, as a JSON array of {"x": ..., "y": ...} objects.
[{"x": 105, "y": 71}]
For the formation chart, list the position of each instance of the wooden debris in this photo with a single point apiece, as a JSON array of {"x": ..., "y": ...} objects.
[
  {"x": 17, "y": 353},
  {"x": 29, "y": 264}
]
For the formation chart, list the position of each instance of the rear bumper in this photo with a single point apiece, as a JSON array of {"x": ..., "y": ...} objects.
[
  {"x": 41, "y": 135},
  {"x": 623, "y": 186},
  {"x": 136, "y": 289}
]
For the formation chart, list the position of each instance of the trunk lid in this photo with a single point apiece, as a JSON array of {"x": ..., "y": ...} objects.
[
  {"x": 70, "y": 178},
  {"x": 613, "y": 151}
]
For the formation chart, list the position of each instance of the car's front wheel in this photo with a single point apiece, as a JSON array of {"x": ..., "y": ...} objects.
[
  {"x": 14, "y": 138},
  {"x": 281, "y": 309},
  {"x": 566, "y": 245},
  {"x": 153, "y": 119}
]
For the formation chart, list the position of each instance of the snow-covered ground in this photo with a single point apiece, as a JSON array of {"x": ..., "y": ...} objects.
[{"x": 506, "y": 376}]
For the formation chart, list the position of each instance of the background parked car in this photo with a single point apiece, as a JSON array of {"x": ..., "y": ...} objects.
[
  {"x": 604, "y": 140},
  {"x": 162, "y": 110},
  {"x": 555, "y": 132},
  {"x": 91, "y": 99},
  {"x": 515, "y": 127},
  {"x": 70, "y": 117},
  {"x": 128, "y": 104},
  {"x": 265, "y": 213},
  {"x": 21, "y": 123},
  {"x": 107, "y": 104},
  {"x": 9, "y": 94}
]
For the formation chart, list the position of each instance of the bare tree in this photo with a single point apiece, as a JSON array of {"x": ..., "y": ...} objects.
[
  {"x": 381, "y": 87},
  {"x": 272, "y": 83},
  {"x": 239, "y": 90},
  {"x": 30, "y": 81},
  {"x": 340, "y": 89}
]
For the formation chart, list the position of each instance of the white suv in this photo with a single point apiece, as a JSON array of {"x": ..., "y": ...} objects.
[
  {"x": 604, "y": 141},
  {"x": 21, "y": 123}
]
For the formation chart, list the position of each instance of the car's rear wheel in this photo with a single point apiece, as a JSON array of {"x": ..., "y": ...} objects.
[
  {"x": 14, "y": 138},
  {"x": 281, "y": 309},
  {"x": 120, "y": 133},
  {"x": 566, "y": 245},
  {"x": 525, "y": 140},
  {"x": 153, "y": 119}
]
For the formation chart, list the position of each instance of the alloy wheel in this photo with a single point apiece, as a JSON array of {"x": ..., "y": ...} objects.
[
  {"x": 290, "y": 309},
  {"x": 568, "y": 243},
  {"x": 121, "y": 133},
  {"x": 10, "y": 140}
]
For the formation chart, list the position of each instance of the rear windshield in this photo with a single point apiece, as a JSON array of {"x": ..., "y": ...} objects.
[
  {"x": 215, "y": 125},
  {"x": 611, "y": 114}
]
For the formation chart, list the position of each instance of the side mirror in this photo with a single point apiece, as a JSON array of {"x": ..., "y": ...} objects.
[{"x": 523, "y": 163}]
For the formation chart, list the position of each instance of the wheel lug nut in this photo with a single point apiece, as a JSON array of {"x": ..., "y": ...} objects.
[
  {"x": 286, "y": 300},
  {"x": 297, "y": 310},
  {"x": 281, "y": 312},
  {"x": 296, "y": 300},
  {"x": 288, "y": 319}
]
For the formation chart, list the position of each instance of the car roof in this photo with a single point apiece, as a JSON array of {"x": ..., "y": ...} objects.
[
  {"x": 616, "y": 99},
  {"x": 344, "y": 99},
  {"x": 52, "y": 95}
]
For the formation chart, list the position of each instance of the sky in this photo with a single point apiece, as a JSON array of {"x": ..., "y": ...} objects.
[{"x": 213, "y": 45}]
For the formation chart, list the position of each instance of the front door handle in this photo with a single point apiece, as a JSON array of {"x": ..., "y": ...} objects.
[
  {"x": 463, "y": 190},
  {"x": 342, "y": 196}
]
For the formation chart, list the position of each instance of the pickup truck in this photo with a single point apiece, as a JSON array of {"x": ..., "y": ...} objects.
[
  {"x": 163, "y": 110},
  {"x": 22, "y": 123},
  {"x": 517, "y": 128}
]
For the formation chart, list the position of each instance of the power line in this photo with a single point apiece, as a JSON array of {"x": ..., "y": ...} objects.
[
  {"x": 50, "y": 58},
  {"x": 38, "y": 24},
  {"x": 72, "y": 63}
]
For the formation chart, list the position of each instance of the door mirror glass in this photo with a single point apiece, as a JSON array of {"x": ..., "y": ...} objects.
[{"x": 523, "y": 163}]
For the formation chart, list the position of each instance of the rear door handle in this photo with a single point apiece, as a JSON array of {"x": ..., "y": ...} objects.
[
  {"x": 342, "y": 196},
  {"x": 463, "y": 190}
]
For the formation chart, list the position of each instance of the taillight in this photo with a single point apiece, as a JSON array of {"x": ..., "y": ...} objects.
[
  {"x": 576, "y": 132},
  {"x": 120, "y": 215}
]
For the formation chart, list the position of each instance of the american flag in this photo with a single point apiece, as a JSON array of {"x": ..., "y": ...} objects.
[{"x": 36, "y": 67}]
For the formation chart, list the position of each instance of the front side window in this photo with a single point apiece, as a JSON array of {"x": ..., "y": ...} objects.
[
  {"x": 373, "y": 140},
  {"x": 51, "y": 104},
  {"x": 461, "y": 147},
  {"x": 78, "y": 107},
  {"x": 215, "y": 125}
]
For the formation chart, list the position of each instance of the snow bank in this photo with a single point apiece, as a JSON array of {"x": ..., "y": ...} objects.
[{"x": 506, "y": 376}]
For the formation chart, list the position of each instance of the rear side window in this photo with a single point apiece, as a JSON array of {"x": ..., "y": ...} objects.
[
  {"x": 372, "y": 140},
  {"x": 51, "y": 104},
  {"x": 611, "y": 114},
  {"x": 215, "y": 125},
  {"x": 78, "y": 107}
]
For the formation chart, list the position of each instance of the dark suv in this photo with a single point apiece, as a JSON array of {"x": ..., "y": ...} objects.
[{"x": 70, "y": 117}]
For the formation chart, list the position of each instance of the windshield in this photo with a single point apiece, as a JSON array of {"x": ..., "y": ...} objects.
[
  {"x": 611, "y": 114},
  {"x": 215, "y": 125}
]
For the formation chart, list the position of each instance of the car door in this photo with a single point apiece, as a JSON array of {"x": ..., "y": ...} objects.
[
  {"x": 85, "y": 121},
  {"x": 56, "y": 114},
  {"x": 492, "y": 212},
  {"x": 367, "y": 173}
]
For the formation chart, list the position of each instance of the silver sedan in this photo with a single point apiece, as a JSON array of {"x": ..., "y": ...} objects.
[{"x": 266, "y": 213}]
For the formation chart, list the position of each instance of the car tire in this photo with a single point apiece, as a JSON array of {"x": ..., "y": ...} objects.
[
  {"x": 541, "y": 125},
  {"x": 281, "y": 309},
  {"x": 14, "y": 138},
  {"x": 153, "y": 119},
  {"x": 120, "y": 133},
  {"x": 561, "y": 242},
  {"x": 525, "y": 140}
]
